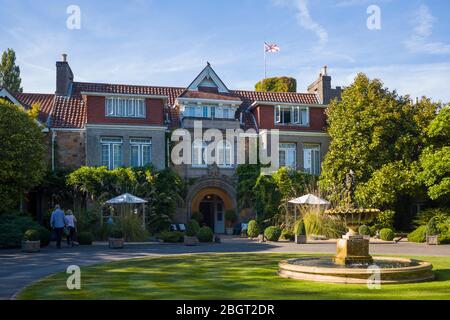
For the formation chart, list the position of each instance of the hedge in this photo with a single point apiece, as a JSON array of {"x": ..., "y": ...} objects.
[
  {"x": 272, "y": 233},
  {"x": 418, "y": 235}
]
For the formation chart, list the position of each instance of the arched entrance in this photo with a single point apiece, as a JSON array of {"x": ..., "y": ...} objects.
[{"x": 212, "y": 198}]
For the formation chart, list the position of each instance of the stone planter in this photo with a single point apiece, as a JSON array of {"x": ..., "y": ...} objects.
[
  {"x": 31, "y": 246},
  {"x": 300, "y": 239},
  {"x": 229, "y": 231},
  {"x": 432, "y": 240},
  {"x": 116, "y": 243},
  {"x": 190, "y": 241}
]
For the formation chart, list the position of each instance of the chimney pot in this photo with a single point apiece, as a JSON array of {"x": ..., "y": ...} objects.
[
  {"x": 324, "y": 71},
  {"x": 64, "y": 57}
]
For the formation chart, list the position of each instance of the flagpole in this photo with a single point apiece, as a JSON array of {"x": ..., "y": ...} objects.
[{"x": 265, "y": 62}]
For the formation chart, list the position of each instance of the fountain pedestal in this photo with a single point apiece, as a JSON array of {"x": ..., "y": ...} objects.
[{"x": 352, "y": 249}]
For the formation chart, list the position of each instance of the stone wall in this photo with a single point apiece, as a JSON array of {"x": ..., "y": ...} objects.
[{"x": 70, "y": 149}]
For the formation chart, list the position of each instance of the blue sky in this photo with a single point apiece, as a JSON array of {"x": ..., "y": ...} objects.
[{"x": 168, "y": 42}]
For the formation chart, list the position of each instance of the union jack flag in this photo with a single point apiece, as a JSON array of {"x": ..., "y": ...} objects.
[{"x": 271, "y": 47}]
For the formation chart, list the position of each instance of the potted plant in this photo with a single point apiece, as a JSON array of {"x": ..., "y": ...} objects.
[
  {"x": 85, "y": 238},
  {"x": 190, "y": 238},
  {"x": 31, "y": 241},
  {"x": 230, "y": 219},
  {"x": 300, "y": 232},
  {"x": 116, "y": 239},
  {"x": 432, "y": 232}
]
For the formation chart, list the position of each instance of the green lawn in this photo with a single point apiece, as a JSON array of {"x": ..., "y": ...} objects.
[{"x": 221, "y": 276}]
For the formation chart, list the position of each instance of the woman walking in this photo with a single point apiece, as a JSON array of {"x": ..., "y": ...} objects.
[{"x": 71, "y": 222}]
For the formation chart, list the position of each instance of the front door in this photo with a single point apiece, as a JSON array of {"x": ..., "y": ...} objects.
[
  {"x": 219, "y": 221},
  {"x": 212, "y": 210}
]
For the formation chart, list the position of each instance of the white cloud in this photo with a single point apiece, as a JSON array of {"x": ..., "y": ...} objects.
[
  {"x": 306, "y": 21},
  {"x": 419, "y": 41}
]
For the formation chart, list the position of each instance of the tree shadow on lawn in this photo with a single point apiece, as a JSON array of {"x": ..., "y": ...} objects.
[{"x": 220, "y": 276}]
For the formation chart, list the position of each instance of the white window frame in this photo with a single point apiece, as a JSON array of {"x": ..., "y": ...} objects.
[
  {"x": 123, "y": 107},
  {"x": 286, "y": 148},
  {"x": 314, "y": 150},
  {"x": 111, "y": 143},
  {"x": 296, "y": 115},
  {"x": 225, "y": 154},
  {"x": 202, "y": 154},
  {"x": 140, "y": 143}
]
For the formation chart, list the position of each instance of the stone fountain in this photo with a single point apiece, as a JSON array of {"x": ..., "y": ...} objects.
[{"x": 352, "y": 262}]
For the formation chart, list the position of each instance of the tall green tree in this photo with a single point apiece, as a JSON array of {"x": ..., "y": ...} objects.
[
  {"x": 10, "y": 72},
  {"x": 379, "y": 135},
  {"x": 22, "y": 150},
  {"x": 435, "y": 159},
  {"x": 277, "y": 84}
]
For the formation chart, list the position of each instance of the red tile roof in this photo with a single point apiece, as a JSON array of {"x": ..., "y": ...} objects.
[
  {"x": 284, "y": 97},
  {"x": 171, "y": 92},
  {"x": 69, "y": 112},
  {"x": 44, "y": 100},
  {"x": 209, "y": 95}
]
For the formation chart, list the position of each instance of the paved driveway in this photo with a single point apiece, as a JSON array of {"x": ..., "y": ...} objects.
[{"x": 18, "y": 269}]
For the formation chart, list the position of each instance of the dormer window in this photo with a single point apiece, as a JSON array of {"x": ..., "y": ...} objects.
[
  {"x": 209, "y": 112},
  {"x": 125, "y": 107},
  {"x": 294, "y": 115}
]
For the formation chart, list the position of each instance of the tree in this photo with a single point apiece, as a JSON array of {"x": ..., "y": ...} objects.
[
  {"x": 435, "y": 159},
  {"x": 379, "y": 135},
  {"x": 22, "y": 149},
  {"x": 277, "y": 84},
  {"x": 10, "y": 72}
]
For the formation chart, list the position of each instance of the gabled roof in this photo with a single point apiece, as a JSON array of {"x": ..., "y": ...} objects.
[
  {"x": 69, "y": 112},
  {"x": 208, "y": 78},
  {"x": 45, "y": 101},
  {"x": 5, "y": 93}
]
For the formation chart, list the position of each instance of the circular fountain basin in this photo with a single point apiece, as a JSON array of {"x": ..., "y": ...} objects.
[{"x": 390, "y": 270}]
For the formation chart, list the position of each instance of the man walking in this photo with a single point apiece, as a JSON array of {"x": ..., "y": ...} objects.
[{"x": 57, "y": 223}]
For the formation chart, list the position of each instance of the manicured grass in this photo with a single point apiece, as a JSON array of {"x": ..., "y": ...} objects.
[{"x": 221, "y": 276}]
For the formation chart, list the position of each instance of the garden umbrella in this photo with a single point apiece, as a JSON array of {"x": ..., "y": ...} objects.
[
  {"x": 309, "y": 199},
  {"x": 127, "y": 198}
]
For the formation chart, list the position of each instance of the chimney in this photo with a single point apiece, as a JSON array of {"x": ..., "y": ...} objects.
[
  {"x": 322, "y": 87},
  {"x": 64, "y": 77}
]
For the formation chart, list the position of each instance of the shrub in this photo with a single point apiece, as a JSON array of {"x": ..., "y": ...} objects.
[
  {"x": 385, "y": 219},
  {"x": 197, "y": 216},
  {"x": 253, "y": 229},
  {"x": 444, "y": 238},
  {"x": 364, "y": 230},
  {"x": 171, "y": 236},
  {"x": 418, "y": 235},
  {"x": 12, "y": 229},
  {"x": 299, "y": 228},
  {"x": 272, "y": 233},
  {"x": 45, "y": 236},
  {"x": 432, "y": 228},
  {"x": 423, "y": 217},
  {"x": 205, "y": 234},
  {"x": 131, "y": 226},
  {"x": 287, "y": 235},
  {"x": 192, "y": 228},
  {"x": 387, "y": 234},
  {"x": 116, "y": 233},
  {"x": 317, "y": 223},
  {"x": 85, "y": 238},
  {"x": 31, "y": 235}
]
